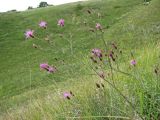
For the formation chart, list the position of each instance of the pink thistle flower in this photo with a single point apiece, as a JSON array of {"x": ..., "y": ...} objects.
[
  {"x": 52, "y": 69},
  {"x": 61, "y": 22},
  {"x": 67, "y": 95},
  {"x": 43, "y": 24},
  {"x": 44, "y": 66},
  {"x": 97, "y": 52},
  {"x": 133, "y": 62},
  {"x": 29, "y": 34},
  {"x": 98, "y": 26}
]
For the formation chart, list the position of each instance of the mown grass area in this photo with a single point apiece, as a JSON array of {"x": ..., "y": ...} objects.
[{"x": 26, "y": 92}]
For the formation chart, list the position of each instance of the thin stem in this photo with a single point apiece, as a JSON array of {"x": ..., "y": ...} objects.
[
  {"x": 113, "y": 86},
  {"x": 85, "y": 117},
  {"x": 110, "y": 64},
  {"x": 70, "y": 43}
]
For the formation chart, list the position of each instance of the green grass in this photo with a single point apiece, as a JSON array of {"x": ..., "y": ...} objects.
[{"x": 26, "y": 92}]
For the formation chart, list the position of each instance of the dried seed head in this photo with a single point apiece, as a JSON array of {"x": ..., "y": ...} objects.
[
  {"x": 68, "y": 97},
  {"x": 99, "y": 15},
  {"x": 92, "y": 30},
  {"x": 114, "y": 46},
  {"x": 102, "y": 85},
  {"x": 71, "y": 93},
  {"x": 35, "y": 46},
  {"x": 93, "y": 59},
  {"x": 98, "y": 85},
  {"x": 156, "y": 70},
  {"x": 101, "y": 74},
  {"x": 61, "y": 35},
  {"x": 96, "y": 67},
  {"x": 89, "y": 11},
  {"x": 100, "y": 58}
]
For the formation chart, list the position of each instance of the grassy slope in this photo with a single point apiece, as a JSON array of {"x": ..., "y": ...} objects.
[{"x": 134, "y": 27}]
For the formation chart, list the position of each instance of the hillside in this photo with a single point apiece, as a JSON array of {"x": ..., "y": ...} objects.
[{"x": 27, "y": 92}]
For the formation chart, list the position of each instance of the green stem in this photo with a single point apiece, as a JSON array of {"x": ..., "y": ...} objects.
[{"x": 113, "y": 86}]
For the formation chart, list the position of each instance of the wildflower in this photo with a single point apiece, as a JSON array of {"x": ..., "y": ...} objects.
[
  {"x": 48, "y": 68},
  {"x": 44, "y": 66},
  {"x": 29, "y": 34},
  {"x": 67, "y": 95},
  {"x": 97, "y": 52},
  {"x": 133, "y": 62},
  {"x": 61, "y": 22},
  {"x": 43, "y": 24},
  {"x": 51, "y": 69},
  {"x": 98, "y": 26}
]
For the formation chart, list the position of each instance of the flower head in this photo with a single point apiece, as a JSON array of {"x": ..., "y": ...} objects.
[
  {"x": 43, "y": 24},
  {"x": 51, "y": 69},
  {"x": 133, "y": 62},
  {"x": 98, "y": 26},
  {"x": 29, "y": 34},
  {"x": 44, "y": 66},
  {"x": 34, "y": 46},
  {"x": 67, "y": 95},
  {"x": 48, "y": 68},
  {"x": 61, "y": 22},
  {"x": 97, "y": 52}
]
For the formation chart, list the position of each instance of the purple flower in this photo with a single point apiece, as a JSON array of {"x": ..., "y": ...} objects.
[
  {"x": 43, "y": 24},
  {"x": 97, "y": 52},
  {"x": 98, "y": 26},
  {"x": 29, "y": 34},
  {"x": 52, "y": 69},
  {"x": 44, "y": 66},
  {"x": 67, "y": 95},
  {"x": 133, "y": 62},
  {"x": 61, "y": 22}
]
